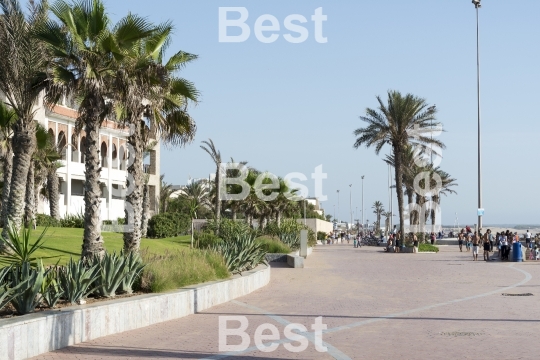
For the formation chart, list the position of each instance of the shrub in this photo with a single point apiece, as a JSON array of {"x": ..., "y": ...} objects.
[
  {"x": 7, "y": 293},
  {"x": 133, "y": 270},
  {"x": 28, "y": 282},
  {"x": 242, "y": 253},
  {"x": 76, "y": 280},
  {"x": 50, "y": 289},
  {"x": 47, "y": 221},
  {"x": 273, "y": 246},
  {"x": 181, "y": 268},
  {"x": 229, "y": 229},
  {"x": 20, "y": 249},
  {"x": 111, "y": 273},
  {"x": 73, "y": 221},
  {"x": 427, "y": 248},
  {"x": 168, "y": 225},
  {"x": 321, "y": 235},
  {"x": 205, "y": 240}
]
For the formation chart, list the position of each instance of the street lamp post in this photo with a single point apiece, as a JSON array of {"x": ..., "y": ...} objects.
[
  {"x": 338, "y": 202},
  {"x": 477, "y": 6},
  {"x": 350, "y": 203},
  {"x": 363, "y": 200}
]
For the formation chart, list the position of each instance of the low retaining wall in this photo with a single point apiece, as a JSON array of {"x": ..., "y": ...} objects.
[{"x": 30, "y": 335}]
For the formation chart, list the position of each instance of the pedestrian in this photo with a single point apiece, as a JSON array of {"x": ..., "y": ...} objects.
[
  {"x": 536, "y": 252},
  {"x": 432, "y": 238},
  {"x": 490, "y": 239},
  {"x": 487, "y": 247},
  {"x": 460, "y": 239},
  {"x": 475, "y": 246},
  {"x": 398, "y": 241},
  {"x": 504, "y": 246},
  {"x": 354, "y": 242},
  {"x": 415, "y": 243},
  {"x": 528, "y": 239}
]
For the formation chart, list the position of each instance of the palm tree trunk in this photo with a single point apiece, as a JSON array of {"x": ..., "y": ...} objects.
[
  {"x": 399, "y": 190},
  {"x": 132, "y": 240},
  {"x": 8, "y": 170},
  {"x": 52, "y": 190},
  {"x": 410, "y": 200},
  {"x": 92, "y": 239},
  {"x": 218, "y": 196},
  {"x": 30, "y": 200},
  {"x": 24, "y": 144},
  {"x": 145, "y": 211},
  {"x": 278, "y": 218}
]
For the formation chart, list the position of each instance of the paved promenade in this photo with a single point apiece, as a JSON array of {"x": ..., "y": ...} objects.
[{"x": 375, "y": 306}]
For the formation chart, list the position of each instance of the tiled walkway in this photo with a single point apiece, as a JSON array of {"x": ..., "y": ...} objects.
[{"x": 375, "y": 306}]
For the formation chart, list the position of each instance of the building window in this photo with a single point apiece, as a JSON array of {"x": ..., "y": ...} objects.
[
  {"x": 77, "y": 187},
  {"x": 62, "y": 141},
  {"x": 104, "y": 154}
]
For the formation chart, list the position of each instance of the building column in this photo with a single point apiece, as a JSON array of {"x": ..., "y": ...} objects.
[
  {"x": 68, "y": 172},
  {"x": 109, "y": 178}
]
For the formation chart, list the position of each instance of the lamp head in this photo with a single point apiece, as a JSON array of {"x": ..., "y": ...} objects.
[{"x": 477, "y": 3}]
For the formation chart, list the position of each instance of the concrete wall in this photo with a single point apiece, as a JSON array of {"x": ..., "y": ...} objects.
[
  {"x": 30, "y": 335},
  {"x": 318, "y": 225}
]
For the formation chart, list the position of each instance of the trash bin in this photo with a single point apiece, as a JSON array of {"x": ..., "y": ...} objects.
[{"x": 517, "y": 255}]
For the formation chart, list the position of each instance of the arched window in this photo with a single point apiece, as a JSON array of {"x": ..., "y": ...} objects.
[
  {"x": 103, "y": 153},
  {"x": 114, "y": 156},
  {"x": 51, "y": 136},
  {"x": 83, "y": 148},
  {"x": 61, "y": 144},
  {"x": 122, "y": 157},
  {"x": 74, "y": 148}
]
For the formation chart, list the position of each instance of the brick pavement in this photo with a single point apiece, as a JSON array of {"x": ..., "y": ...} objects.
[{"x": 376, "y": 306}]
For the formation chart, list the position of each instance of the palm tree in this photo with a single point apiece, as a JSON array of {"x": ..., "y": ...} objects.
[
  {"x": 22, "y": 79},
  {"x": 46, "y": 163},
  {"x": 404, "y": 120},
  {"x": 7, "y": 118},
  {"x": 447, "y": 182},
  {"x": 378, "y": 210},
  {"x": 87, "y": 53},
  {"x": 150, "y": 90},
  {"x": 387, "y": 215},
  {"x": 210, "y": 148},
  {"x": 196, "y": 193},
  {"x": 42, "y": 140},
  {"x": 165, "y": 191}
]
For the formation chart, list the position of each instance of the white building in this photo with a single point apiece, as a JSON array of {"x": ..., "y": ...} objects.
[{"x": 60, "y": 124}]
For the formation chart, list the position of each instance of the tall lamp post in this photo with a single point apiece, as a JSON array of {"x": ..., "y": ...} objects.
[
  {"x": 338, "y": 202},
  {"x": 477, "y": 6},
  {"x": 363, "y": 200},
  {"x": 350, "y": 203}
]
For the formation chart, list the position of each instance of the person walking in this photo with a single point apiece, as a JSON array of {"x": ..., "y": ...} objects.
[
  {"x": 490, "y": 239},
  {"x": 528, "y": 239},
  {"x": 460, "y": 239},
  {"x": 432, "y": 238},
  {"x": 504, "y": 247},
  {"x": 398, "y": 241},
  {"x": 487, "y": 247},
  {"x": 415, "y": 243},
  {"x": 475, "y": 245}
]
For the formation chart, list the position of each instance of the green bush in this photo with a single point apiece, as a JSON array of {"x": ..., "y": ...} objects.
[
  {"x": 47, "y": 221},
  {"x": 273, "y": 246},
  {"x": 168, "y": 225},
  {"x": 76, "y": 280},
  {"x": 205, "y": 240},
  {"x": 321, "y": 235},
  {"x": 28, "y": 281},
  {"x": 75, "y": 221},
  {"x": 181, "y": 268},
  {"x": 427, "y": 248},
  {"x": 133, "y": 269},
  {"x": 111, "y": 273},
  {"x": 242, "y": 253}
]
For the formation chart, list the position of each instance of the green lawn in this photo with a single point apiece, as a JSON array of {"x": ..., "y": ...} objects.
[{"x": 63, "y": 243}]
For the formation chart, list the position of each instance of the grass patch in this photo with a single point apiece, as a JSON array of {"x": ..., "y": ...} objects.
[
  {"x": 180, "y": 268},
  {"x": 427, "y": 248},
  {"x": 63, "y": 243},
  {"x": 273, "y": 246}
]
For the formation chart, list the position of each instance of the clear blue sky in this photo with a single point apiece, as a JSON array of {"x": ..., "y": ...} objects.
[{"x": 291, "y": 107}]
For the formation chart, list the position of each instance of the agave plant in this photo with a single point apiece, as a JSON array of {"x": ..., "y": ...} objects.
[
  {"x": 292, "y": 240},
  {"x": 20, "y": 249},
  {"x": 76, "y": 280},
  {"x": 134, "y": 267},
  {"x": 7, "y": 293},
  {"x": 51, "y": 291},
  {"x": 242, "y": 253},
  {"x": 28, "y": 282},
  {"x": 111, "y": 270}
]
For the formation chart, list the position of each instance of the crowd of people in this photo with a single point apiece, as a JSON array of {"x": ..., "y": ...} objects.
[{"x": 502, "y": 241}]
